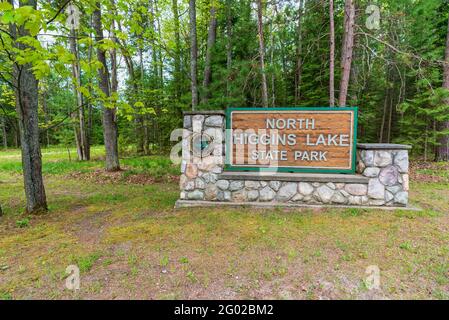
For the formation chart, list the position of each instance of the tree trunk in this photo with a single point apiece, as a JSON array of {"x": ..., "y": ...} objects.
[
  {"x": 348, "y": 44},
  {"x": 142, "y": 125},
  {"x": 208, "y": 61},
  {"x": 26, "y": 91},
  {"x": 154, "y": 55},
  {"x": 80, "y": 129},
  {"x": 110, "y": 133},
  {"x": 442, "y": 153},
  {"x": 384, "y": 116},
  {"x": 46, "y": 116},
  {"x": 332, "y": 55},
  {"x": 161, "y": 60},
  {"x": 5, "y": 137},
  {"x": 298, "y": 73},
  {"x": 113, "y": 54},
  {"x": 273, "y": 89},
  {"x": 17, "y": 135},
  {"x": 193, "y": 55},
  {"x": 177, "y": 71},
  {"x": 228, "y": 46},
  {"x": 89, "y": 104},
  {"x": 262, "y": 53}
]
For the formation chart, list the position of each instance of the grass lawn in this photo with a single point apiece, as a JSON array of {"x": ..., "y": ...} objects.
[{"x": 122, "y": 232}]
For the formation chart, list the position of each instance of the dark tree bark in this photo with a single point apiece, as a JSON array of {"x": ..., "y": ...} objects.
[
  {"x": 110, "y": 133},
  {"x": 348, "y": 45},
  {"x": 208, "y": 61},
  {"x": 26, "y": 91},
  {"x": 5, "y": 137},
  {"x": 262, "y": 53},
  {"x": 332, "y": 55},
  {"x": 193, "y": 55},
  {"x": 442, "y": 152}
]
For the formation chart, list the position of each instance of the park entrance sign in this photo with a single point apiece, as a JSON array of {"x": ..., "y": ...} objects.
[
  {"x": 288, "y": 157},
  {"x": 292, "y": 139}
]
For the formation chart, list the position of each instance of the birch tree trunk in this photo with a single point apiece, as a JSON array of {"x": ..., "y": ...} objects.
[
  {"x": 208, "y": 61},
  {"x": 442, "y": 153},
  {"x": 26, "y": 92},
  {"x": 348, "y": 44},
  {"x": 262, "y": 53},
  {"x": 109, "y": 114},
  {"x": 193, "y": 55},
  {"x": 332, "y": 55}
]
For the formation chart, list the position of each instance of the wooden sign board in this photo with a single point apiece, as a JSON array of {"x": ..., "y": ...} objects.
[{"x": 291, "y": 139}]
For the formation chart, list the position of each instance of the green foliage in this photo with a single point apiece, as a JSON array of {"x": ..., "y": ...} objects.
[
  {"x": 85, "y": 263},
  {"x": 23, "y": 223}
]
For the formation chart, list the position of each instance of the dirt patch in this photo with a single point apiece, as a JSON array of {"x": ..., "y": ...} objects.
[
  {"x": 424, "y": 171},
  {"x": 90, "y": 229}
]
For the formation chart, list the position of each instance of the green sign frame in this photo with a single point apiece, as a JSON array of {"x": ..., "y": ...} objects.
[{"x": 229, "y": 167}]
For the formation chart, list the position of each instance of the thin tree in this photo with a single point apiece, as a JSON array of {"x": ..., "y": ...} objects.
[
  {"x": 332, "y": 55},
  {"x": 442, "y": 153},
  {"x": 109, "y": 114},
  {"x": 298, "y": 71},
  {"x": 262, "y": 53},
  {"x": 177, "y": 60},
  {"x": 228, "y": 45},
  {"x": 134, "y": 83},
  {"x": 193, "y": 54},
  {"x": 26, "y": 88},
  {"x": 210, "y": 46},
  {"x": 4, "y": 134},
  {"x": 347, "y": 48},
  {"x": 83, "y": 148}
]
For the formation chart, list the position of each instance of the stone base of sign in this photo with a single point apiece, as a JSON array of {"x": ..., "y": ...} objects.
[
  {"x": 381, "y": 178},
  {"x": 263, "y": 205}
]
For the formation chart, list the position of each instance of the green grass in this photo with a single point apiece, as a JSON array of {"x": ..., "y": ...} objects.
[
  {"x": 156, "y": 166},
  {"x": 129, "y": 242},
  {"x": 56, "y": 161},
  {"x": 85, "y": 263}
]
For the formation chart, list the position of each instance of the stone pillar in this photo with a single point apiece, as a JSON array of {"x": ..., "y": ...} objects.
[
  {"x": 203, "y": 155},
  {"x": 386, "y": 166}
]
